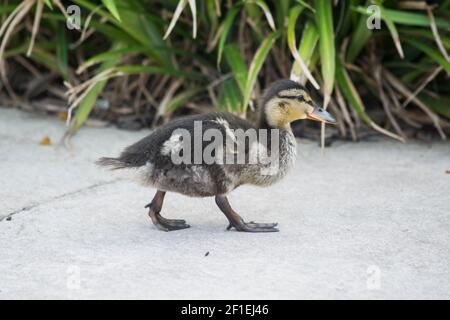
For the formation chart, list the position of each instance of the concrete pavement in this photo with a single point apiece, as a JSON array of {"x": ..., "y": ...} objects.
[{"x": 364, "y": 220}]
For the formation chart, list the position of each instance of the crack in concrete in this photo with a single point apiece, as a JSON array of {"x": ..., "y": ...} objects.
[{"x": 61, "y": 196}]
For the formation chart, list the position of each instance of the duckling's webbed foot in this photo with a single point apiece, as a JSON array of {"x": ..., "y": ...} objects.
[
  {"x": 159, "y": 221},
  {"x": 238, "y": 223}
]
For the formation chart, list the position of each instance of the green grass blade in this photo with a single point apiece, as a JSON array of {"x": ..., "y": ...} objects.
[
  {"x": 181, "y": 99},
  {"x": 265, "y": 8},
  {"x": 48, "y": 3},
  {"x": 359, "y": 39},
  {"x": 349, "y": 91},
  {"x": 305, "y": 51},
  {"x": 430, "y": 51},
  {"x": 414, "y": 19},
  {"x": 193, "y": 7},
  {"x": 255, "y": 66},
  {"x": 440, "y": 105},
  {"x": 294, "y": 13},
  {"x": 111, "y": 6},
  {"x": 281, "y": 10},
  {"x": 309, "y": 40},
  {"x": 176, "y": 15},
  {"x": 62, "y": 48},
  {"x": 135, "y": 22},
  {"x": 407, "y": 17},
  {"x": 324, "y": 22},
  {"x": 306, "y": 5},
  {"x": 180, "y": 7},
  {"x": 351, "y": 94},
  {"x": 293, "y": 16},
  {"x": 392, "y": 29},
  {"x": 237, "y": 65},
  {"x": 44, "y": 57},
  {"x": 225, "y": 29},
  {"x": 101, "y": 57},
  {"x": 212, "y": 15},
  {"x": 421, "y": 32},
  {"x": 138, "y": 69},
  {"x": 87, "y": 104},
  {"x": 231, "y": 96}
]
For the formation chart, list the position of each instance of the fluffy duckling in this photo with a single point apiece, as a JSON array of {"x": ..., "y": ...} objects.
[{"x": 212, "y": 154}]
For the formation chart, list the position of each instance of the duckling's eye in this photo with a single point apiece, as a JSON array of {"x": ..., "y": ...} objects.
[{"x": 300, "y": 98}]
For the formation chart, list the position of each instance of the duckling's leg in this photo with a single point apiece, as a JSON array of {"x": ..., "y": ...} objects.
[
  {"x": 159, "y": 221},
  {"x": 237, "y": 222}
]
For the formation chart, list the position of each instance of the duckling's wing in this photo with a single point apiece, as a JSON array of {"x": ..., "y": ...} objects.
[{"x": 155, "y": 148}]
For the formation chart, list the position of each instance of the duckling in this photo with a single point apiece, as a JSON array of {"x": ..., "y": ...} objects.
[{"x": 170, "y": 158}]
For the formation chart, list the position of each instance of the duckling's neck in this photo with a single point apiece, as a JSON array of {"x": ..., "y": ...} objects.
[{"x": 263, "y": 123}]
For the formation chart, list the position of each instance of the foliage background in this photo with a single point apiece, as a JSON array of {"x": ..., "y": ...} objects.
[{"x": 140, "y": 63}]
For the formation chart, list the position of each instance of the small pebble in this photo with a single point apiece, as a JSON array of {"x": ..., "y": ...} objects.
[
  {"x": 207, "y": 253},
  {"x": 46, "y": 141},
  {"x": 8, "y": 218}
]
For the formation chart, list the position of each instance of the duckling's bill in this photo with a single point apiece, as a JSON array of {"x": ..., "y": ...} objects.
[{"x": 320, "y": 114}]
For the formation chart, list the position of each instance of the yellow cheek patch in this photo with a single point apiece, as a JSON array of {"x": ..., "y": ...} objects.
[
  {"x": 288, "y": 105},
  {"x": 281, "y": 112},
  {"x": 294, "y": 113}
]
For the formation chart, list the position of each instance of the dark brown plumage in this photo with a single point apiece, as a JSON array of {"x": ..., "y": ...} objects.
[{"x": 152, "y": 157}]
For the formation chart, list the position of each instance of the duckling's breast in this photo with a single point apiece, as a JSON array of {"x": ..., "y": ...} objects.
[{"x": 271, "y": 166}]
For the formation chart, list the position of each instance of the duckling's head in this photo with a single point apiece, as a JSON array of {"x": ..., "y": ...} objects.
[{"x": 286, "y": 101}]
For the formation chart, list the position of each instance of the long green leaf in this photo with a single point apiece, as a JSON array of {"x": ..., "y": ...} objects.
[
  {"x": 111, "y": 6},
  {"x": 62, "y": 48},
  {"x": 237, "y": 64},
  {"x": 421, "y": 32},
  {"x": 265, "y": 8},
  {"x": 293, "y": 16},
  {"x": 87, "y": 104},
  {"x": 359, "y": 38},
  {"x": 181, "y": 5},
  {"x": 231, "y": 97},
  {"x": 138, "y": 69},
  {"x": 41, "y": 56},
  {"x": 182, "y": 98},
  {"x": 440, "y": 105},
  {"x": 305, "y": 50},
  {"x": 225, "y": 29},
  {"x": 351, "y": 94},
  {"x": 255, "y": 66},
  {"x": 176, "y": 15},
  {"x": 193, "y": 7},
  {"x": 98, "y": 58},
  {"x": 309, "y": 40},
  {"x": 136, "y": 24},
  {"x": 324, "y": 21},
  {"x": 392, "y": 29},
  {"x": 432, "y": 53},
  {"x": 407, "y": 17},
  {"x": 48, "y": 3}
]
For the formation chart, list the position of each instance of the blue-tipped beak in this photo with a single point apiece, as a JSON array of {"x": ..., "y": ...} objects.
[{"x": 320, "y": 114}]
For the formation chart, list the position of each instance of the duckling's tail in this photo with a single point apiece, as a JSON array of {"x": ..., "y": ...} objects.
[{"x": 113, "y": 163}]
